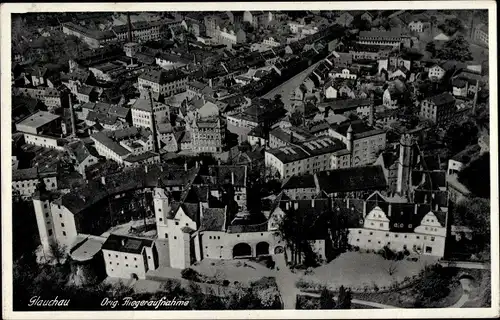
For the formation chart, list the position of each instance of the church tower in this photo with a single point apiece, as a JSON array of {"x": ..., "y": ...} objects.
[
  {"x": 41, "y": 203},
  {"x": 161, "y": 204},
  {"x": 162, "y": 207}
]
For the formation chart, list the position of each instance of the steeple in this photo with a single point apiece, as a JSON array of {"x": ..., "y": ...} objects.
[
  {"x": 349, "y": 138},
  {"x": 160, "y": 184},
  {"x": 41, "y": 192}
]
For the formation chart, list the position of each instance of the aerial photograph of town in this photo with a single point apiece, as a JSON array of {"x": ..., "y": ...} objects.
[{"x": 250, "y": 160}]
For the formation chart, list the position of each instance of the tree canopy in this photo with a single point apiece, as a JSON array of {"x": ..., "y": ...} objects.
[{"x": 455, "y": 49}]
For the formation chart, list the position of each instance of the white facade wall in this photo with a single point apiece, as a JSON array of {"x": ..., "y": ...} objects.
[
  {"x": 428, "y": 238},
  {"x": 26, "y": 188},
  {"x": 42, "y": 141},
  {"x": 436, "y": 72},
  {"x": 454, "y": 166},
  {"x": 124, "y": 265}
]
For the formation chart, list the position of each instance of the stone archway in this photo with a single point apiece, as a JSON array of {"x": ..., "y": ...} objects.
[
  {"x": 242, "y": 250},
  {"x": 262, "y": 248},
  {"x": 279, "y": 250}
]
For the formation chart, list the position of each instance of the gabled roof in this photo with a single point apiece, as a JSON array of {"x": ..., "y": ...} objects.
[
  {"x": 442, "y": 99},
  {"x": 352, "y": 179},
  {"x": 126, "y": 244}
]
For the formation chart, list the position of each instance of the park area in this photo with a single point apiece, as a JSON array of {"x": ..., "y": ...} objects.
[{"x": 360, "y": 270}]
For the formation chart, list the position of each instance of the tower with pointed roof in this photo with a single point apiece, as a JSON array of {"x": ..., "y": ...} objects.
[
  {"x": 349, "y": 138},
  {"x": 161, "y": 204}
]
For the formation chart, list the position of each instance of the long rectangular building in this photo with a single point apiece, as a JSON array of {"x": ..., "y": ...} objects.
[{"x": 309, "y": 156}]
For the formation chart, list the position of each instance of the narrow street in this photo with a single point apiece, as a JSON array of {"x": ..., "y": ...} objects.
[{"x": 286, "y": 282}]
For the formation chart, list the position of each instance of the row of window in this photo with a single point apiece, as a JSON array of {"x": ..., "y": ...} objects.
[{"x": 397, "y": 235}]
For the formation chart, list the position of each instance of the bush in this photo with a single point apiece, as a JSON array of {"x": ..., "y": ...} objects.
[
  {"x": 190, "y": 274},
  {"x": 225, "y": 283}
]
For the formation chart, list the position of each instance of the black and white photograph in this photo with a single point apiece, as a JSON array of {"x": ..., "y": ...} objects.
[{"x": 261, "y": 158}]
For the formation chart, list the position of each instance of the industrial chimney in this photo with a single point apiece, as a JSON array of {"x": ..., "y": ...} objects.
[
  {"x": 129, "y": 24},
  {"x": 72, "y": 115}
]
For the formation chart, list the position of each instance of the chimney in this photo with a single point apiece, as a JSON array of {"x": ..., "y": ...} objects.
[
  {"x": 232, "y": 178},
  {"x": 291, "y": 136},
  {"x": 349, "y": 138},
  {"x": 72, "y": 114},
  {"x": 129, "y": 24},
  {"x": 327, "y": 112},
  {"x": 370, "y": 116}
]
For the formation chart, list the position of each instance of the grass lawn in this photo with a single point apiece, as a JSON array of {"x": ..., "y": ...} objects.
[
  {"x": 356, "y": 270},
  {"x": 243, "y": 271}
]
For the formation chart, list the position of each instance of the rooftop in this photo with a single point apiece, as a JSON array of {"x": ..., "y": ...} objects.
[
  {"x": 442, "y": 99},
  {"x": 39, "y": 119},
  {"x": 352, "y": 179},
  {"x": 162, "y": 77},
  {"x": 308, "y": 148},
  {"x": 126, "y": 244}
]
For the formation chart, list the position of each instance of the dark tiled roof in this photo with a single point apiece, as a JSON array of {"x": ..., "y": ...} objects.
[
  {"x": 223, "y": 174},
  {"x": 213, "y": 219},
  {"x": 298, "y": 182},
  {"x": 308, "y": 148},
  {"x": 442, "y": 99},
  {"x": 30, "y": 174},
  {"x": 360, "y": 129},
  {"x": 345, "y": 104},
  {"x": 126, "y": 244},
  {"x": 162, "y": 77},
  {"x": 352, "y": 179}
]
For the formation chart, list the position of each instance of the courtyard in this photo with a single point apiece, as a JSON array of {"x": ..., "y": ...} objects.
[
  {"x": 242, "y": 270},
  {"x": 357, "y": 270}
]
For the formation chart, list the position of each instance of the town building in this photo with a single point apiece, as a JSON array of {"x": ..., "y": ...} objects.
[
  {"x": 317, "y": 154},
  {"x": 362, "y": 140},
  {"x": 94, "y": 38},
  {"x": 142, "y": 115},
  {"x": 480, "y": 33},
  {"x": 417, "y": 228},
  {"x": 25, "y": 181},
  {"x": 129, "y": 257},
  {"x": 207, "y": 130},
  {"x": 162, "y": 83},
  {"x": 130, "y": 147},
  {"x": 380, "y": 38},
  {"x": 440, "y": 109}
]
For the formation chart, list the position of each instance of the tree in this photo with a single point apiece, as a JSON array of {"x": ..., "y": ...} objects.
[
  {"x": 459, "y": 136},
  {"x": 392, "y": 267},
  {"x": 344, "y": 299},
  {"x": 475, "y": 175},
  {"x": 326, "y": 300},
  {"x": 58, "y": 252},
  {"x": 431, "y": 47},
  {"x": 433, "y": 286},
  {"x": 190, "y": 274},
  {"x": 297, "y": 118},
  {"x": 451, "y": 26},
  {"x": 455, "y": 49}
]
